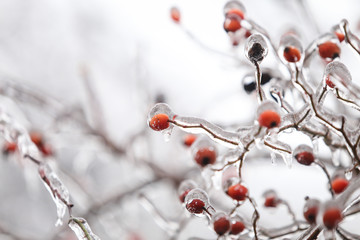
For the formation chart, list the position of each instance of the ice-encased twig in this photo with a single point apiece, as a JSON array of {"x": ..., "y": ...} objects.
[
  {"x": 82, "y": 229},
  {"x": 57, "y": 189}
]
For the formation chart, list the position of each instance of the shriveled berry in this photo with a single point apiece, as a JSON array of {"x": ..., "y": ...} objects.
[
  {"x": 291, "y": 54},
  {"x": 271, "y": 201},
  {"x": 237, "y": 12},
  {"x": 340, "y": 36},
  {"x": 183, "y": 195},
  {"x": 189, "y": 140},
  {"x": 339, "y": 184},
  {"x": 310, "y": 214},
  {"x": 256, "y": 52},
  {"x": 332, "y": 217},
  {"x": 305, "y": 158},
  {"x": 175, "y": 14},
  {"x": 329, "y": 50},
  {"x": 159, "y": 122},
  {"x": 237, "y": 192},
  {"x": 221, "y": 225},
  {"x": 269, "y": 119},
  {"x": 9, "y": 147},
  {"x": 232, "y": 23},
  {"x": 195, "y": 206},
  {"x": 205, "y": 156},
  {"x": 237, "y": 227}
]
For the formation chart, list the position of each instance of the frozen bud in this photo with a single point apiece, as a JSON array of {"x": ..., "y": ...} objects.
[
  {"x": 331, "y": 215},
  {"x": 256, "y": 48},
  {"x": 268, "y": 114},
  {"x": 185, "y": 187},
  {"x": 204, "y": 152},
  {"x": 221, "y": 223},
  {"x": 197, "y": 201},
  {"x": 303, "y": 154},
  {"x": 290, "y": 49},
  {"x": 236, "y": 225},
  {"x": 271, "y": 199},
  {"x": 311, "y": 209}
]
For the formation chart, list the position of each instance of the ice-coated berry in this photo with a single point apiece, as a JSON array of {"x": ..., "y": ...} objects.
[{"x": 159, "y": 122}]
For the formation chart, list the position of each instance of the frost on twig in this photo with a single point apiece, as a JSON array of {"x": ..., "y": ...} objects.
[{"x": 82, "y": 229}]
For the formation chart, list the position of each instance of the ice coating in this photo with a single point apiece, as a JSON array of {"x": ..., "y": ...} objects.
[
  {"x": 304, "y": 154},
  {"x": 82, "y": 229},
  {"x": 198, "y": 125},
  {"x": 230, "y": 177},
  {"x": 280, "y": 148},
  {"x": 233, "y": 4},
  {"x": 197, "y": 195},
  {"x": 338, "y": 73},
  {"x": 290, "y": 44},
  {"x": 256, "y": 48},
  {"x": 57, "y": 190}
]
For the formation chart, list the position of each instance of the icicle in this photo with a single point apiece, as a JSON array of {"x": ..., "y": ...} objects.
[
  {"x": 57, "y": 189},
  {"x": 82, "y": 229}
]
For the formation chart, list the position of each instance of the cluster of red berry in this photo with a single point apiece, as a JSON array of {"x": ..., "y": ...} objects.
[{"x": 273, "y": 117}]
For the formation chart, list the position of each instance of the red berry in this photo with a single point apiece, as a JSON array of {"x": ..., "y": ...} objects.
[
  {"x": 269, "y": 119},
  {"x": 237, "y": 192},
  {"x": 175, "y": 14},
  {"x": 237, "y": 227},
  {"x": 37, "y": 139},
  {"x": 292, "y": 54},
  {"x": 221, "y": 225},
  {"x": 159, "y": 122},
  {"x": 271, "y": 201},
  {"x": 232, "y": 23},
  {"x": 183, "y": 195},
  {"x": 189, "y": 140},
  {"x": 329, "y": 82},
  {"x": 9, "y": 147},
  {"x": 329, "y": 50},
  {"x": 237, "y": 12},
  {"x": 310, "y": 214},
  {"x": 195, "y": 206},
  {"x": 46, "y": 150},
  {"x": 332, "y": 217},
  {"x": 340, "y": 36},
  {"x": 205, "y": 156},
  {"x": 247, "y": 34},
  {"x": 305, "y": 158},
  {"x": 339, "y": 184}
]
